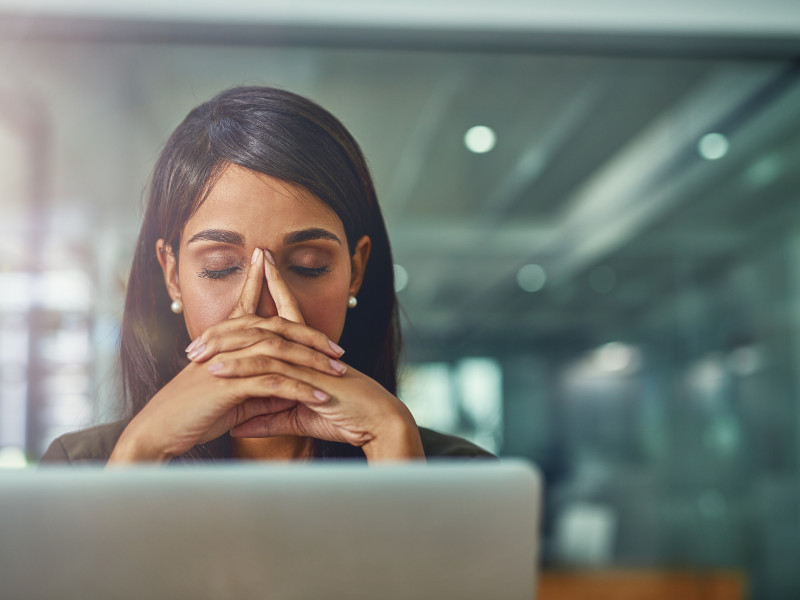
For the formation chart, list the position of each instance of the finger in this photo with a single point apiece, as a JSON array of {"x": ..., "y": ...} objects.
[
  {"x": 255, "y": 407},
  {"x": 272, "y": 354},
  {"x": 280, "y": 423},
  {"x": 278, "y": 385},
  {"x": 285, "y": 302},
  {"x": 242, "y": 332},
  {"x": 251, "y": 292}
]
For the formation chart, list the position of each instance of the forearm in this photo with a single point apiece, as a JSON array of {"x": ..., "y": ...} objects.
[{"x": 132, "y": 448}]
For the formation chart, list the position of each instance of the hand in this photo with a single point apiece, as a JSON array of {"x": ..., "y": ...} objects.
[
  {"x": 351, "y": 408},
  {"x": 358, "y": 411},
  {"x": 196, "y": 407}
]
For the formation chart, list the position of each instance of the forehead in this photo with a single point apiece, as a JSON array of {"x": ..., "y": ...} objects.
[{"x": 261, "y": 208}]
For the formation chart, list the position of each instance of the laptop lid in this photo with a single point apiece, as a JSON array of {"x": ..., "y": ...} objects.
[{"x": 447, "y": 530}]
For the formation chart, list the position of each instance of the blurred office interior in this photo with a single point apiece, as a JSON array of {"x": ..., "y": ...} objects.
[{"x": 595, "y": 220}]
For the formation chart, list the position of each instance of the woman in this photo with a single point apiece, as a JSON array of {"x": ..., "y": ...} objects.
[{"x": 262, "y": 258}]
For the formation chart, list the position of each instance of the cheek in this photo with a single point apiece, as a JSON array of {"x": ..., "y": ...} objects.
[
  {"x": 324, "y": 308},
  {"x": 206, "y": 304}
]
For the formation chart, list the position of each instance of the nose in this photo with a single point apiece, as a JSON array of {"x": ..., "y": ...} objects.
[{"x": 266, "y": 305}]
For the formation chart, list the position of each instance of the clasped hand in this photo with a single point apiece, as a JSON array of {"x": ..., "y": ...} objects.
[{"x": 264, "y": 377}]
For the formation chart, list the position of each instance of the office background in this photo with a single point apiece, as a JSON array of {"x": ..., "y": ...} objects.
[{"x": 594, "y": 212}]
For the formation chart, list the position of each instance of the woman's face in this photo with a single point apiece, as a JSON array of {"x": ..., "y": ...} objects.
[{"x": 247, "y": 210}]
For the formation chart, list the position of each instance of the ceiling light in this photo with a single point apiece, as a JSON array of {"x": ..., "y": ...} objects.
[
  {"x": 531, "y": 278},
  {"x": 764, "y": 171},
  {"x": 713, "y": 146},
  {"x": 480, "y": 139}
]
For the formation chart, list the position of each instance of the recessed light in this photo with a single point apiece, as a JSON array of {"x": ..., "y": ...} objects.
[
  {"x": 764, "y": 171},
  {"x": 713, "y": 146},
  {"x": 480, "y": 139},
  {"x": 531, "y": 278}
]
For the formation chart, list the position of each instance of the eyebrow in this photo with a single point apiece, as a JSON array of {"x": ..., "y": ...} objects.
[
  {"x": 312, "y": 233},
  {"x": 225, "y": 236}
]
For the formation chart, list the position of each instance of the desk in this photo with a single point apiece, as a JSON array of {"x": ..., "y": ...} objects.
[{"x": 641, "y": 585}]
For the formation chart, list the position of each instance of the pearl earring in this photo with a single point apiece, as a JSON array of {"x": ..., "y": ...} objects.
[
  {"x": 176, "y": 307},
  {"x": 352, "y": 302}
]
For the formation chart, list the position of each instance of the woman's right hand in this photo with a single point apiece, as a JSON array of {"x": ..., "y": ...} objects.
[{"x": 196, "y": 407}]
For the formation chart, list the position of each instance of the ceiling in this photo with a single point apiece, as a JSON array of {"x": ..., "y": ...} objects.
[
  {"x": 596, "y": 175},
  {"x": 750, "y": 18}
]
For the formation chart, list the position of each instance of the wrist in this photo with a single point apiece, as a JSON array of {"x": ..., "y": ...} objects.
[
  {"x": 132, "y": 448},
  {"x": 397, "y": 439}
]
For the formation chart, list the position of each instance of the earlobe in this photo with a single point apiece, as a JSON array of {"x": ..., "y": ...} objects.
[
  {"x": 358, "y": 263},
  {"x": 169, "y": 267}
]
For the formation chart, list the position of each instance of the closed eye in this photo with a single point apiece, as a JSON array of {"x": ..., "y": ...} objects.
[
  {"x": 219, "y": 273},
  {"x": 310, "y": 271}
]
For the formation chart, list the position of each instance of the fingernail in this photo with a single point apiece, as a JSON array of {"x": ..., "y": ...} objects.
[
  {"x": 338, "y": 366},
  {"x": 191, "y": 346},
  {"x": 255, "y": 255},
  {"x": 268, "y": 256},
  {"x": 216, "y": 367},
  {"x": 197, "y": 351},
  {"x": 336, "y": 348},
  {"x": 321, "y": 396}
]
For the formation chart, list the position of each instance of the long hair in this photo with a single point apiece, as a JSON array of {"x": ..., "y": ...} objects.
[{"x": 285, "y": 136}]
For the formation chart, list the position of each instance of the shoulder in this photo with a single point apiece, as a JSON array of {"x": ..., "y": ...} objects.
[
  {"x": 440, "y": 445},
  {"x": 92, "y": 445}
]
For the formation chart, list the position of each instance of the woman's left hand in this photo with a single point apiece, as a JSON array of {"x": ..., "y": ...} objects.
[{"x": 359, "y": 411}]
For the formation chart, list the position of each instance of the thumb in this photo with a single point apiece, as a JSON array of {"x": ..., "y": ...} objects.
[{"x": 285, "y": 302}]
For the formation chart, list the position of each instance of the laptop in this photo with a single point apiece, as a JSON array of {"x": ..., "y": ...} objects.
[{"x": 247, "y": 531}]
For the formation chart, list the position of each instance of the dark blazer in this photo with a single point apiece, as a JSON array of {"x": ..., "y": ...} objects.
[{"x": 94, "y": 445}]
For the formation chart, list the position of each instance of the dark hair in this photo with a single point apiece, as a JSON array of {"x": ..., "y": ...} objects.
[{"x": 286, "y": 136}]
